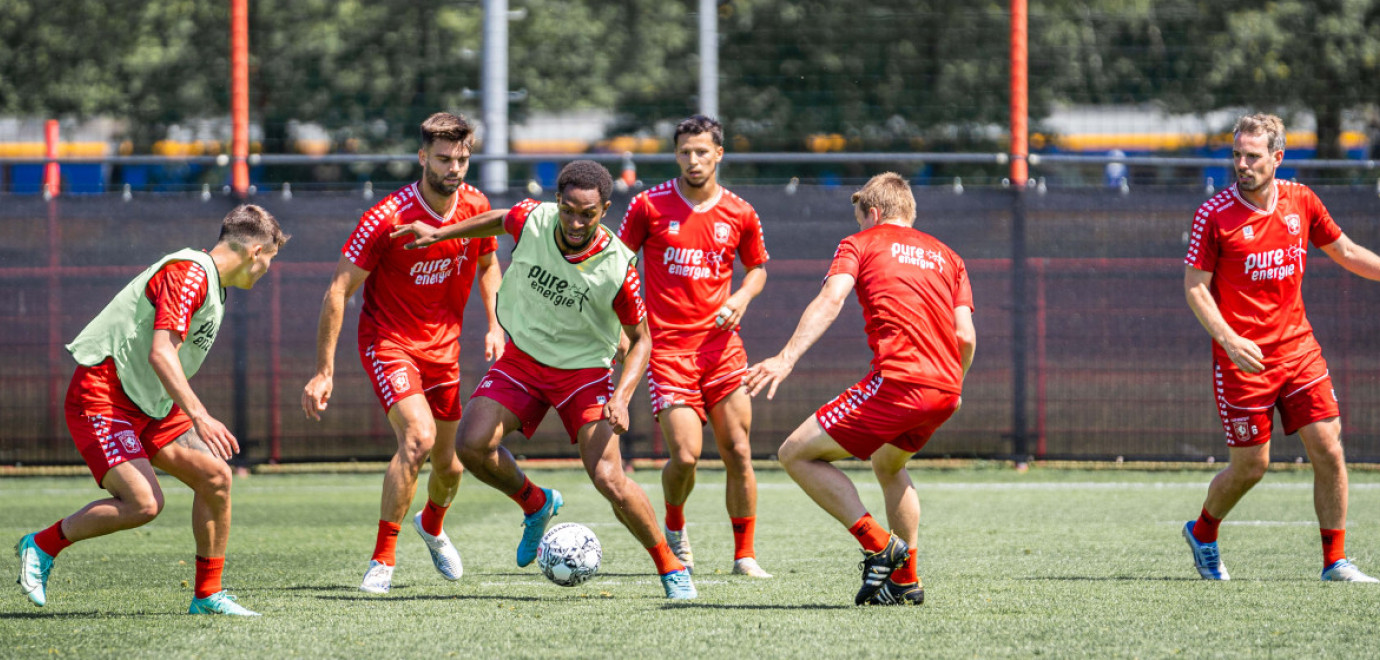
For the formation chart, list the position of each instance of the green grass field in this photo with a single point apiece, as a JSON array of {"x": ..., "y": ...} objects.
[{"x": 1047, "y": 563}]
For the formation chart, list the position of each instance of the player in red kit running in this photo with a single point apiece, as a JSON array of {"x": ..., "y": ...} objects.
[
  {"x": 570, "y": 293},
  {"x": 917, "y": 304},
  {"x": 131, "y": 409},
  {"x": 689, "y": 230},
  {"x": 409, "y": 331},
  {"x": 1243, "y": 280}
]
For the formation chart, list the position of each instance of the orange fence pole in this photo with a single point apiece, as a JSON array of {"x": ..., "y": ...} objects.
[
  {"x": 1020, "y": 94},
  {"x": 239, "y": 97},
  {"x": 52, "y": 177}
]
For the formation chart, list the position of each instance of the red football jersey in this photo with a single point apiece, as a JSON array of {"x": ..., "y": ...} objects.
[
  {"x": 688, "y": 259},
  {"x": 416, "y": 298},
  {"x": 908, "y": 284},
  {"x": 1256, "y": 257},
  {"x": 177, "y": 290}
]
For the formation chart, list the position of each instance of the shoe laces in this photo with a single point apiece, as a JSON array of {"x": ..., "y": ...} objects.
[{"x": 1211, "y": 557}]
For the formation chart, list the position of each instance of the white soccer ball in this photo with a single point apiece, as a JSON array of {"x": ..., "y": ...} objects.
[{"x": 569, "y": 554}]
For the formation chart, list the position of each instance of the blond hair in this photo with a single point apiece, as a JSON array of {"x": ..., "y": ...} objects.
[
  {"x": 1260, "y": 123},
  {"x": 889, "y": 193}
]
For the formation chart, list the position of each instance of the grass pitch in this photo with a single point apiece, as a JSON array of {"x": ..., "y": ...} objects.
[{"x": 1055, "y": 563}]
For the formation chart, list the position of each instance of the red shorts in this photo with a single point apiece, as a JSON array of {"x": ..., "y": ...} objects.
[
  {"x": 1300, "y": 387},
  {"x": 528, "y": 388},
  {"x": 397, "y": 374},
  {"x": 700, "y": 379},
  {"x": 877, "y": 412},
  {"x": 108, "y": 428}
]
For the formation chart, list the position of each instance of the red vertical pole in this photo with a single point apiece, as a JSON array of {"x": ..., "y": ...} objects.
[
  {"x": 239, "y": 97},
  {"x": 56, "y": 363},
  {"x": 52, "y": 177},
  {"x": 1020, "y": 87},
  {"x": 1040, "y": 380},
  {"x": 275, "y": 340}
]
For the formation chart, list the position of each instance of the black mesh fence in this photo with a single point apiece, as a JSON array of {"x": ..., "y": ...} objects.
[{"x": 1114, "y": 363}]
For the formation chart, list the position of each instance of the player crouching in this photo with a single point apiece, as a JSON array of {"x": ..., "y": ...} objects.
[{"x": 130, "y": 408}]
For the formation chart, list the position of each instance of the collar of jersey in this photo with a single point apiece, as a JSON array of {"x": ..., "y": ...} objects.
[
  {"x": 675, "y": 184},
  {"x": 1236, "y": 191},
  {"x": 596, "y": 245},
  {"x": 421, "y": 201}
]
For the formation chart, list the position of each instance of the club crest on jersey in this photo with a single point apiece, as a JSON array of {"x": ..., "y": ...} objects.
[
  {"x": 398, "y": 380},
  {"x": 722, "y": 232},
  {"x": 1248, "y": 232},
  {"x": 128, "y": 440},
  {"x": 674, "y": 228},
  {"x": 1292, "y": 221}
]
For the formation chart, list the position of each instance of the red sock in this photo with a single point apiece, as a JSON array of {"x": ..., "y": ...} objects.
[
  {"x": 1205, "y": 528},
  {"x": 871, "y": 535},
  {"x": 387, "y": 543},
  {"x": 1334, "y": 546},
  {"x": 530, "y": 497},
  {"x": 432, "y": 516},
  {"x": 675, "y": 517},
  {"x": 208, "y": 571},
  {"x": 908, "y": 573},
  {"x": 743, "y": 529},
  {"x": 52, "y": 540},
  {"x": 666, "y": 561}
]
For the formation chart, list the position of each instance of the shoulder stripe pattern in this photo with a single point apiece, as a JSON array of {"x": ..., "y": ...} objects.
[{"x": 192, "y": 285}]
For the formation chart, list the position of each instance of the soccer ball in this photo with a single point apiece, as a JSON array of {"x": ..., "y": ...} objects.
[{"x": 569, "y": 554}]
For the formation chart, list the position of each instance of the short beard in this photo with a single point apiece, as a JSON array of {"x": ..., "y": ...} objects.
[{"x": 438, "y": 183}]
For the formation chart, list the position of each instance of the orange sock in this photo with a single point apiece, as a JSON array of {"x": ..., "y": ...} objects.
[
  {"x": 666, "y": 561},
  {"x": 1205, "y": 527},
  {"x": 52, "y": 540},
  {"x": 675, "y": 517},
  {"x": 530, "y": 497},
  {"x": 1334, "y": 546},
  {"x": 208, "y": 571},
  {"x": 387, "y": 542},
  {"x": 432, "y": 516},
  {"x": 908, "y": 573},
  {"x": 743, "y": 530},
  {"x": 871, "y": 535}
]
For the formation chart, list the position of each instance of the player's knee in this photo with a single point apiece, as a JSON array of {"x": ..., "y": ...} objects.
[
  {"x": 145, "y": 508},
  {"x": 684, "y": 459},
  {"x": 215, "y": 482},
  {"x": 610, "y": 481},
  {"x": 416, "y": 446},
  {"x": 447, "y": 471}
]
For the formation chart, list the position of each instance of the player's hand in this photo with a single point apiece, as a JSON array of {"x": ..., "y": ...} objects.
[
  {"x": 1245, "y": 354},
  {"x": 316, "y": 395},
  {"x": 424, "y": 234},
  {"x": 731, "y": 314},
  {"x": 494, "y": 342},
  {"x": 616, "y": 412},
  {"x": 218, "y": 439},
  {"x": 768, "y": 372}
]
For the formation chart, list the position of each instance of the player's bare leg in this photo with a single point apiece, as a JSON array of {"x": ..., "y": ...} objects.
[
  {"x": 731, "y": 418},
  {"x": 603, "y": 463},
  {"x": 1323, "y": 442},
  {"x": 190, "y": 461},
  {"x": 480, "y": 445},
  {"x": 1246, "y": 468},
  {"x": 684, "y": 434},
  {"x": 135, "y": 499},
  {"x": 903, "y": 516},
  {"x": 808, "y": 456},
  {"x": 415, "y": 430},
  {"x": 446, "y": 468},
  {"x": 441, "y": 487}
]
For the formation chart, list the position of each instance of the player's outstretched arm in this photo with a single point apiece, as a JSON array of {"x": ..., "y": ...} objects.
[
  {"x": 488, "y": 223},
  {"x": 347, "y": 279},
  {"x": 1353, "y": 257},
  {"x": 817, "y": 318},
  {"x": 731, "y": 314},
  {"x": 163, "y": 358},
  {"x": 639, "y": 351},
  {"x": 490, "y": 279},
  {"x": 1243, "y": 352}
]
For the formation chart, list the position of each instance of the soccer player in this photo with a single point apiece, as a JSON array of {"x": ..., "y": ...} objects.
[
  {"x": 1243, "y": 280},
  {"x": 570, "y": 293},
  {"x": 689, "y": 229},
  {"x": 130, "y": 407},
  {"x": 918, "y": 305},
  {"x": 409, "y": 331}
]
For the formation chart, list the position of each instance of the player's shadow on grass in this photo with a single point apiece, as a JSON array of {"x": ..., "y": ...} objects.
[
  {"x": 391, "y": 598},
  {"x": 1109, "y": 578},
  {"x": 86, "y": 615},
  {"x": 730, "y": 606}
]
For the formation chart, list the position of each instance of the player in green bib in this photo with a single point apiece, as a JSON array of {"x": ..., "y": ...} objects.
[
  {"x": 130, "y": 408},
  {"x": 569, "y": 294}
]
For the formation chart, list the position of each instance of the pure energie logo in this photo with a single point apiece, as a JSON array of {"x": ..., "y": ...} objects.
[{"x": 559, "y": 291}]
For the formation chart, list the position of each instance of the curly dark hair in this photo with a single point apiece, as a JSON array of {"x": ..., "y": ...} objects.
[
  {"x": 586, "y": 175},
  {"x": 696, "y": 124}
]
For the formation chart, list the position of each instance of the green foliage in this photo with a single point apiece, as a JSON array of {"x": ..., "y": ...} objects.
[{"x": 1048, "y": 563}]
